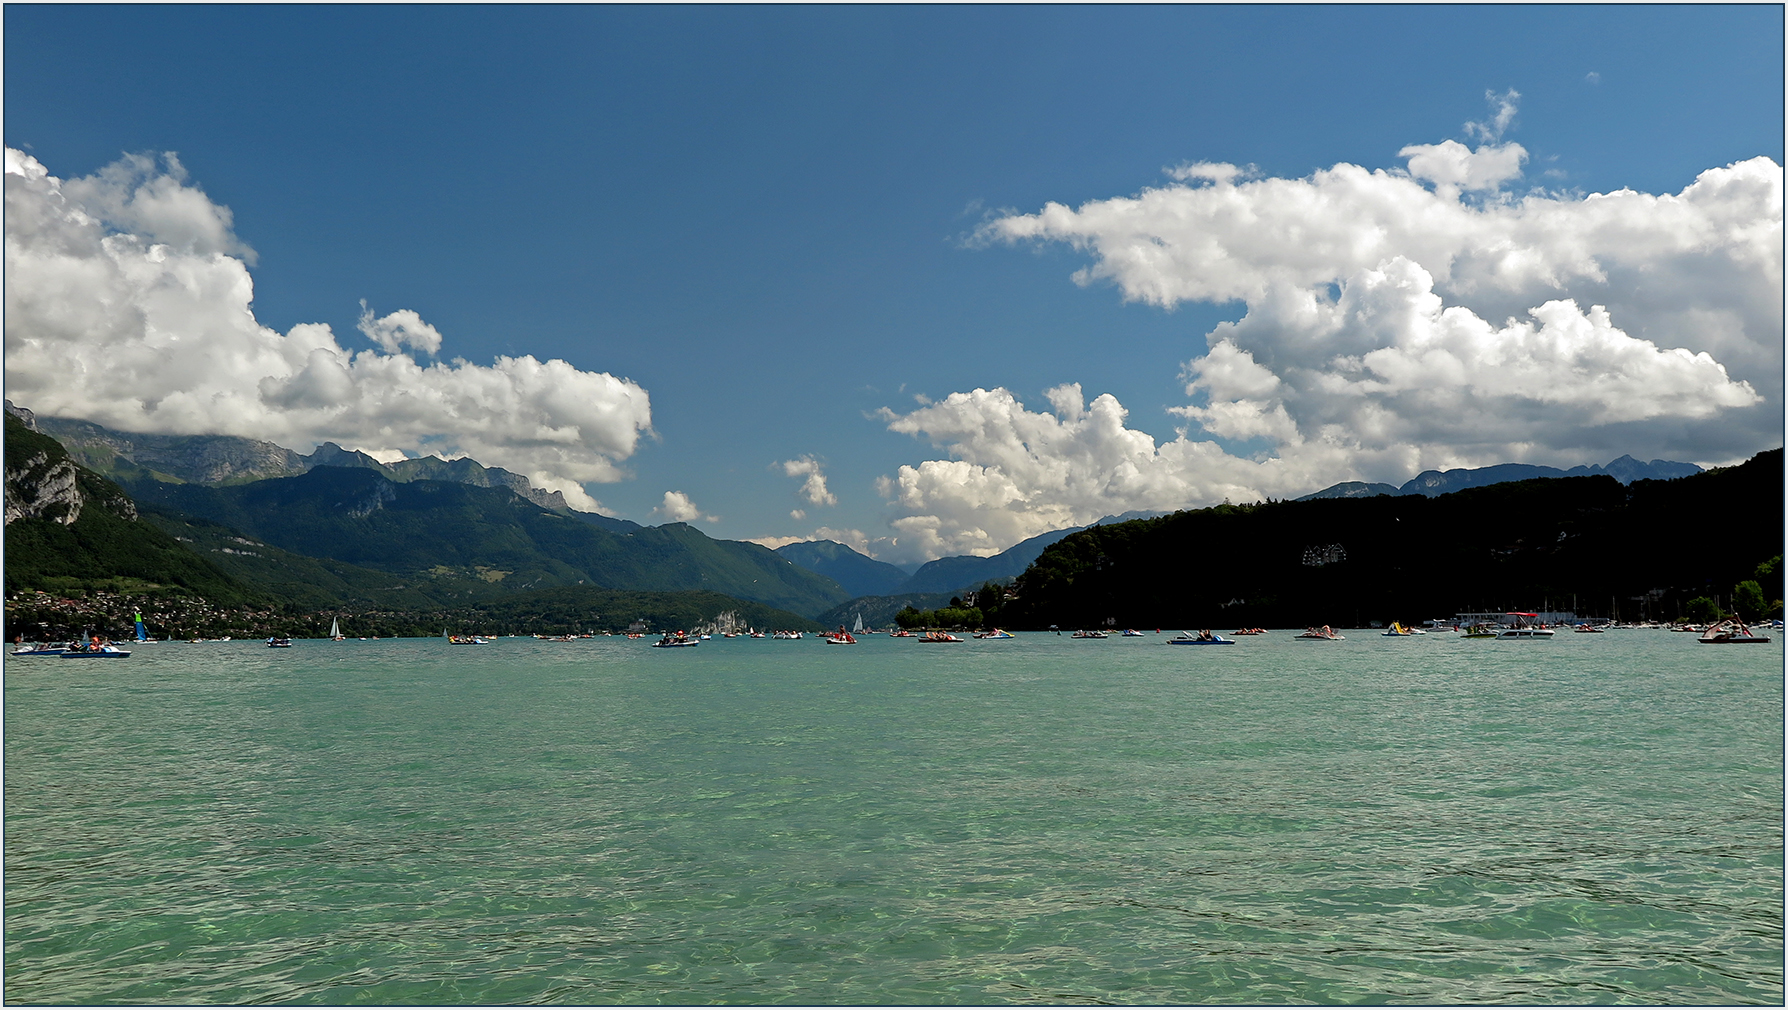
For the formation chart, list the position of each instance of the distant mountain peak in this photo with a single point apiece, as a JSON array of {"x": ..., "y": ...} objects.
[{"x": 1626, "y": 469}]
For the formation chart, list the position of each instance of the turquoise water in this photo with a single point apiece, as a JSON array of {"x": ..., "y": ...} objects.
[{"x": 1595, "y": 819}]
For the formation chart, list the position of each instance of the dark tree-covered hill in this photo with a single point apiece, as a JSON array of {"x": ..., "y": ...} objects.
[{"x": 1588, "y": 542}]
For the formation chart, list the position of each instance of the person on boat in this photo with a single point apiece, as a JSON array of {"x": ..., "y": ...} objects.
[{"x": 1206, "y": 636}]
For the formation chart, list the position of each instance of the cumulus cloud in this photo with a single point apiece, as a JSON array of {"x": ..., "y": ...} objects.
[
  {"x": 678, "y": 508},
  {"x": 129, "y": 302},
  {"x": 814, "y": 487},
  {"x": 400, "y": 328},
  {"x": 1395, "y": 320}
]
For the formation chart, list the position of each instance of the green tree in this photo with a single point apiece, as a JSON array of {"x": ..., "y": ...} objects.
[
  {"x": 910, "y": 617},
  {"x": 1748, "y": 600},
  {"x": 1701, "y": 610}
]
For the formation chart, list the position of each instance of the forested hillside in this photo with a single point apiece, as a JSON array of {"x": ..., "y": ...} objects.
[{"x": 1587, "y": 543}]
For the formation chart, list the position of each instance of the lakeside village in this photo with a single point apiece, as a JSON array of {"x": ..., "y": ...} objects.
[{"x": 100, "y": 616}]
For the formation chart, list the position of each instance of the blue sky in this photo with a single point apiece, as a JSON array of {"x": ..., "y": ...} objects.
[{"x": 766, "y": 217}]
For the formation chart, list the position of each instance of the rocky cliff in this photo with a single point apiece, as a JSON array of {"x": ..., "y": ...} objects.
[{"x": 42, "y": 482}]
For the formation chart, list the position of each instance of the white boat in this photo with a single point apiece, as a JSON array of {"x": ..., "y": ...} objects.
[
  {"x": 857, "y": 628},
  {"x": 335, "y": 634},
  {"x": 39, "y": 650}
]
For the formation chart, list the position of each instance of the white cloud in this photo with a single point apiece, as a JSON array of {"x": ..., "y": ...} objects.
[
  {"x": 402, "y": 327},
  {"x": 1503, "y": 108},
  {"x": 814, "y": 487},
  {"x": 797, "y": 514},
  {"x": 678, "y": 508},
  {"x": 129, "y": 302},
  {"x": 1391, "y": 325}
]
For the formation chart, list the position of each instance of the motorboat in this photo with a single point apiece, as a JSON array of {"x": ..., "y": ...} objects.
[
  {"x": 1132, "y": 633},
  {"x": 676, "y": 641},
  {"x": 937, "y": 637},
  {"x": 1479, "y": 631},
  {"x": 996, "y": 633},
  {"x": 1324, "y": 633},
  {"x": 1089, "y": 634},
  {"x": 841, "y": 638},
  {"x": 1202, "y": 638},
  {"x": 279, "y": 643},
  {"x": 1731, "y": 632},
  {"x": 900, "y": 633},
  {"x": 1397, "y": 630}
]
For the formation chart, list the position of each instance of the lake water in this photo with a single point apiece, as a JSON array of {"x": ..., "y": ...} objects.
[{"x": 1594, "y": 819}]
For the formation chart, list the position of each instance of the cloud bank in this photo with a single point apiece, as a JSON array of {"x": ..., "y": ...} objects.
[
  {"x": 1395, "y": 320},
  {"x": 129, "y": 302}
]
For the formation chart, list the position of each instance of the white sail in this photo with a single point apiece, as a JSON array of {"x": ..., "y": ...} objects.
[
  {"x": 858, "y": 628},
  {"x": 334, "y": 628}
]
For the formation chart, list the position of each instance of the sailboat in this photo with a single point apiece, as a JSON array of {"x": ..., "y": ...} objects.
[
  {"x": 142, "y": 632},
  {"x": 335, "y": 634},
  {"x": 857, "y": 629}
]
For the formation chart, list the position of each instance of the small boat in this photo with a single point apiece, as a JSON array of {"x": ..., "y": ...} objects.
[
  {"x": 1525, "y": 634},
  {"x": 1324, "y": 633},
  {"x": 1089, "y": 634},
  {"x": 676, "y": 641},
  {"x": 901, "y": 633},
  {"x": 1132, "y": 633},
  {"x": 1202, "y": 638},
  {"x": 1246, "y": 631},
  {"x": 841, "y": 638},
  {"x": 467, "y": 640},
  {"x": 335, "y": 634},
  {"x": 1397, "y": 630},
  {"x": 996, "y": 633},
  {"x": 1587, "y": 629},
  {"x": 931, "y": 637},
  {"x": 94, "y": 651},
  {"x": 40, "y": 650},
  {"x": 1731, "y": 632},
  {"x": 279, "y": 643}
]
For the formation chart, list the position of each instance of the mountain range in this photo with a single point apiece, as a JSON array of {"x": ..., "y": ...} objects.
[
  {"x": 337, "y": 528},
  {"x": 1431, "y": 483}
]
